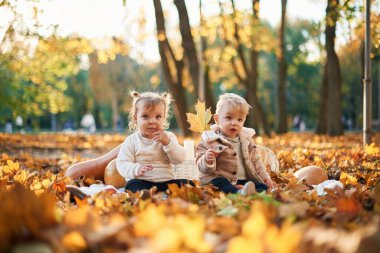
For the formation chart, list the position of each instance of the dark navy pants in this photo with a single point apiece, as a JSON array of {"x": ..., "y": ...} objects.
[
  {"x": 135, "y": 185},
  {"x": 224, "y": 185}
]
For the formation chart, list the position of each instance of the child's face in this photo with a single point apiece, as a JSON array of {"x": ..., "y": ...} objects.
[
  {"x": 150, "y": 119},
  {"x": 230, "y": 120}
]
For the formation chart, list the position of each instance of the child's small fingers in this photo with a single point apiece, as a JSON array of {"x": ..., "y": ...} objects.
[{"x": 215, "y": 153}]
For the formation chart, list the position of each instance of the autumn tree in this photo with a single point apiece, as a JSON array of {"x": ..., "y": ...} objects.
[
  {"x": 39, "y": 80},
  {"x": 112, "y": 75},
  {"x": 174, "y": 66},
  {"x": 281, "y": 114},
  {"x": 331, "y": 94},
  {"x": 245, "y": 61}
]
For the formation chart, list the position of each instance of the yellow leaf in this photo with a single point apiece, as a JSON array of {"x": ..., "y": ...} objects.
[
  {"x": 372, "y": 149},
  {"x": 10, "y": 168},
  {"x": 199, "y": 122},
  {"x": 21, "y": 177},
  {"x": 192, "y": 230},
  {"x": 149, "y": 221},
  {"x": 74, "y": 241},
  {"x": 241, "y": 244},
  {"x": 347, "y": 179},
  {"x": 167, "y": 239}
]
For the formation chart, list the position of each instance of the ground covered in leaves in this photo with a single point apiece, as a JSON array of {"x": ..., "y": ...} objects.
[{"x": 37, "y": 213}]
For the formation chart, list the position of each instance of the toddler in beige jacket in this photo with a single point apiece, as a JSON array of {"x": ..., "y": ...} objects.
[{"x": 227, "y": 156}]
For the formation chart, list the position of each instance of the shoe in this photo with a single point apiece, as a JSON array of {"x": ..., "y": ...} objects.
[
  {"x": 76, "y": 191},
  {"x": 144, "y": 194},
  {"x": 248, "y": 189}
]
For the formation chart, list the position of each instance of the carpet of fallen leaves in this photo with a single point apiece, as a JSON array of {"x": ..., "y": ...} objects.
[{"x": 37, "y": 213}]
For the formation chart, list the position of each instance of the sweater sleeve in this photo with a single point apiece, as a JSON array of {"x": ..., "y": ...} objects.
[
  {"x": 125, "y": 161},
  {"x": 174, "y": 150},
  {"x": 200, "y": 160}
]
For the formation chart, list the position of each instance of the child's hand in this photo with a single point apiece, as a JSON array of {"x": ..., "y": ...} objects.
[
  {"x": 210, "y": 156},
  {"x": 161, "y": 137},
  {"x": 270, "y": 183},
  {"x": 144, "y": 168}
]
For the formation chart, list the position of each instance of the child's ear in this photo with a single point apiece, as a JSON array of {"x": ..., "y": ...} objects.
[{"x": 216, "y": 118}]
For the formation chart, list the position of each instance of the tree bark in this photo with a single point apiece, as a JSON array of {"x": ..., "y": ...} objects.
[
  {"x": 172, "y": 69},
  {"x": 322, "y": 116},
  {"x": 210, "y": 100},
  {"x": 334, "y": 123},
  {"x": 281, "y": 115},
  {"x": 188, "y": 42}
]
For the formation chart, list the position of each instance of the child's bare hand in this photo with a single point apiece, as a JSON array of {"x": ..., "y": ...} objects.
[
  {"x": 161, "y": 137},
  {"x": 210, "y": 156},
  {"x": 144, "y": 168}
]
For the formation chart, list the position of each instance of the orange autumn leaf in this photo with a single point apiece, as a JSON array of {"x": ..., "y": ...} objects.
[{"x": 199, "y": 122}]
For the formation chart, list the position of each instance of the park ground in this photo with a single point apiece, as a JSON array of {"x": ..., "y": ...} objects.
[{"x": 38, "y": 214}]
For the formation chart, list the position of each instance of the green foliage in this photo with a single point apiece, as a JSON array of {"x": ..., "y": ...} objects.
[{"x": 35, "y": 77}]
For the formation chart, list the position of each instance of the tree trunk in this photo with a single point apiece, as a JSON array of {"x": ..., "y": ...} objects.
[
  {"x": 258, "y": 114},
  {"x": 173, "y": 72},
  {"x": 210, "y": 100},
  {"x": 322, "y": 116},
  {"x": 188, "y": 43},
  {"x": 334, "y": 123},
  {"x": 281, "y": 116},
  {"x": 115, "y": 113},
  {"x": 250, "y": 71}
]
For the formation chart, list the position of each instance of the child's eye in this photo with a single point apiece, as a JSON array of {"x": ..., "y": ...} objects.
[
  {"x": 145, "y": 116},
  {"x": 158, "y": 117},
  {"x": 240, "y": 120},
  {"x": 228, "y": 117}
]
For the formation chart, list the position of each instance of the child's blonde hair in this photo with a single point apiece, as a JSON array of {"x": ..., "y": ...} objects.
[
  {"x": 148, "y": 99},
  {"x": 236, "y": 101}
]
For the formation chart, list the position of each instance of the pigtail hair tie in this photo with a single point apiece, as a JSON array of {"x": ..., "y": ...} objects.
[{"x": 135, "y": 94}]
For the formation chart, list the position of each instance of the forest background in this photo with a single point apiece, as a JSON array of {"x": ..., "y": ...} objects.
[{"x": 296, "y": 69}]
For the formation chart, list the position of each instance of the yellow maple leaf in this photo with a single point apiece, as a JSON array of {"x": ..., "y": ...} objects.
[
  {"x": 199, "y": 121},
  {"x": 347, "y": 179},
  {"x": 372, "y": 149},
  {"x": 10, "y": 168}
]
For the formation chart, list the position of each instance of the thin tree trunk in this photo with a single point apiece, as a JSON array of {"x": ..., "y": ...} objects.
[
  {"x": 322, "y": 116},
  {"x": 188, "y": 42},
  {"x": 210, "y": 100},
  {"x": 334, "y": 123},
  {"x": 115, "y": 113},
  {"x": 173, "y": 76},
  {"x": 281, "y": 116}
]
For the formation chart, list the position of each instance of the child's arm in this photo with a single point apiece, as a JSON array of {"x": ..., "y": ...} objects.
[
  {"x": 125, "y": 161},
  {"x": 203, "y": 158},
  {"x": 174, "y": 150},
  {"x": 261, "y": 170}
]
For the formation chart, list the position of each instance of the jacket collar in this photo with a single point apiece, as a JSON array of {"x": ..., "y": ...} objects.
[{"x": 214, "y": 134}]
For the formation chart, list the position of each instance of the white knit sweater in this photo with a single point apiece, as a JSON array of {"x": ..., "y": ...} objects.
[{"x": 137, "y": 150}]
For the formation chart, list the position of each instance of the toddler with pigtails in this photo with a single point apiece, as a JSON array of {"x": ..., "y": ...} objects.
[{"x": 146, "y": 157}]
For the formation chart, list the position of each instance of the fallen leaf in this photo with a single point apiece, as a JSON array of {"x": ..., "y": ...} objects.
[{"x": 199, "y": 121}]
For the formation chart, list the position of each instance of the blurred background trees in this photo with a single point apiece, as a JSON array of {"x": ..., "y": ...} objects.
[{"x": 295, "y": 75}]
